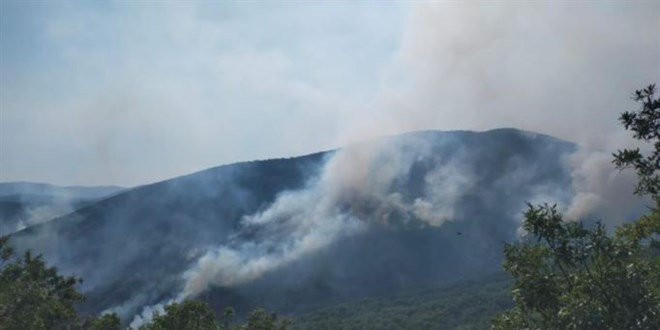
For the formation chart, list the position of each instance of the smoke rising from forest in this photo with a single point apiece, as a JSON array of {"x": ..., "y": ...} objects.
[
  {"x": 355, "y": 187},
  {"x": 324, "y": 79},
  {"x": 562, "y": 69},
  {"x": 482, "y": 67},
  {"x": 477, "y": 67},
  {"x": 353, "y": 191}
]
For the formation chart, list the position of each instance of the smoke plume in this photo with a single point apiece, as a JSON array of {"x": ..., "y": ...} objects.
[{"x": 468, "y": 66}]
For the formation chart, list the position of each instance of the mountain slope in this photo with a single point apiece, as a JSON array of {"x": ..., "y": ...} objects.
[
  {"x": 24, "y": 204},
  {"x": 296, "y": 234},
  {"x": 44, "y": 189},
  {"x": 461, "y": 305}
]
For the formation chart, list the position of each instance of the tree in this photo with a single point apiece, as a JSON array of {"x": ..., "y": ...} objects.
[
  {"x": 260, "y": 319},
  {"x": 568, "y": 276},
  {"x": 109, "y": 321},
  {"x": 645, "y": 124},
  {"x": 189, "y": 315},
  {"x": 228, "y": 315},
  {"x": 34, "y": 296},
  {"x": 197, "y": 315}
]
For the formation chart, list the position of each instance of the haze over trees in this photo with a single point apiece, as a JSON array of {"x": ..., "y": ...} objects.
[{"x": 34, "y": 296}]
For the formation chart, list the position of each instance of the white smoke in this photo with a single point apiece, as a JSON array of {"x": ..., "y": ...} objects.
[
  {"x": 148, "y": 312},
  {"x": 563, "y": 69},
  {"x": 309, "y": 227},
  {"x": 302, "y": 222},
  {"x": 446, "y": 184},
  {"x": 34, "y": 215},
  {"x": 601, "y": 191}
]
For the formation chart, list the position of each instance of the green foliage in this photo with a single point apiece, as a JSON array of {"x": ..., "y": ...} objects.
[
  {"x": 33, "y": 295},
  {"x": 228, "y": 315},
  {"x": 260, "y": 319},
  {"x": 189, "y": 315},
  {"x": 571, "y": 277},
  {"x": 464, "y": 305},
  {"x": 109, "y": 321},
  {"x": 6, "y": 251},
  {"x": 198, "y": 315},
  {"x": 645, "y": 125}
]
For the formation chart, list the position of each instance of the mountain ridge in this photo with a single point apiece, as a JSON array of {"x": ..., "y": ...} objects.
[
  {"x": 25, "y": 204},
  {"x": 135, "y": 248}
]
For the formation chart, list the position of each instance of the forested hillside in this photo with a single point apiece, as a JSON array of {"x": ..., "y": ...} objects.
[
  {"x": 297, "y": 234},
  {"x": 461, "y": 305}
]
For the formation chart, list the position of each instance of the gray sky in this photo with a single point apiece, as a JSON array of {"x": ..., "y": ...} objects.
[{"x": 134, "y": 92}]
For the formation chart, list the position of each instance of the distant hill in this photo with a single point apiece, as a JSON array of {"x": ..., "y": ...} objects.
[
  {"x": 23, "y": 204},
  {"x": 44, "y": 189},
  {"x": 298, "y": 234}
]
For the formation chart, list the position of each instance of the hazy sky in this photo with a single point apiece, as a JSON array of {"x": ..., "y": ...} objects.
[{"x": 134, "y": 92}]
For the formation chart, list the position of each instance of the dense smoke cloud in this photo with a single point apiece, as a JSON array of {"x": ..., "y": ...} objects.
[
  {"x": 353, "y": 191},
  {"x": 562, "y": 69},
  {"x": 565, "y": 69},
  {"x": 355, "y": 187},
  {"x": 602, "y": 192}
]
